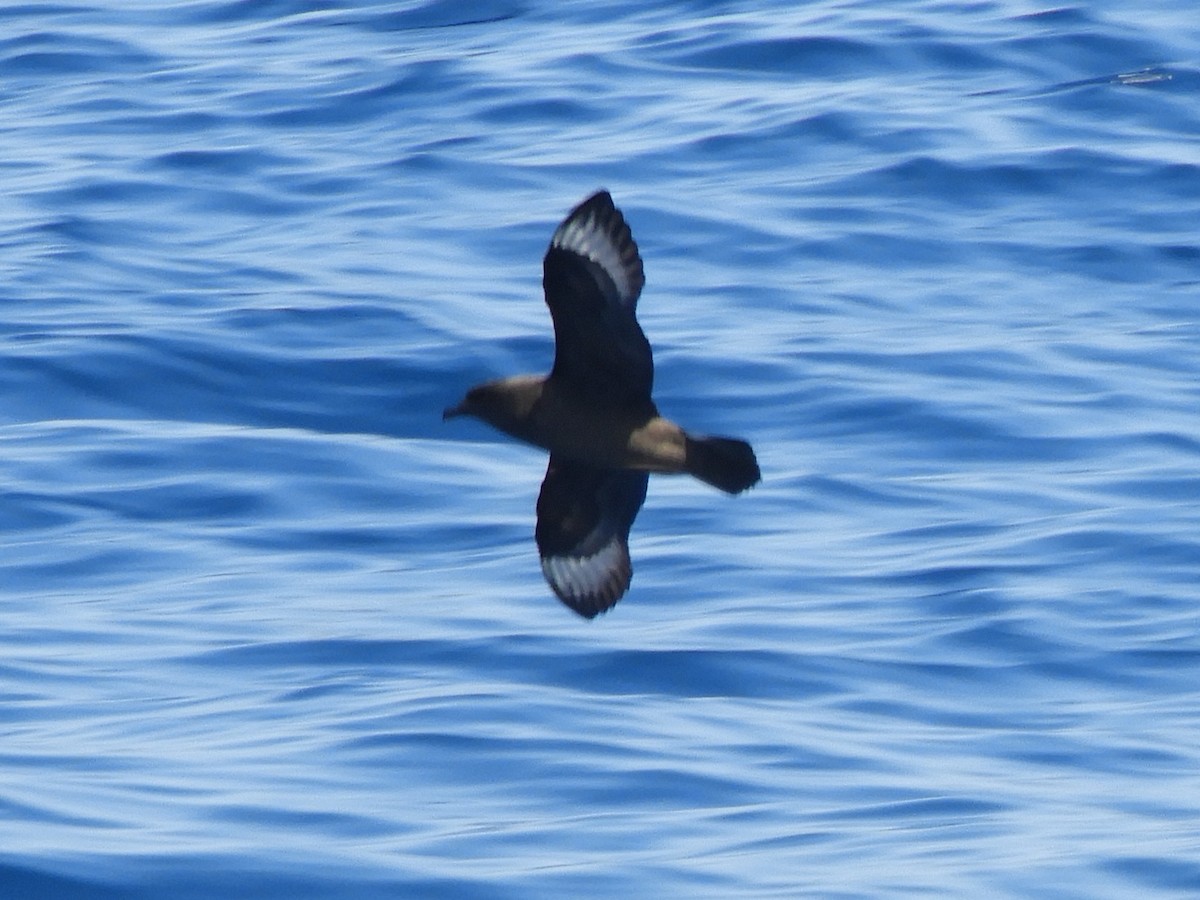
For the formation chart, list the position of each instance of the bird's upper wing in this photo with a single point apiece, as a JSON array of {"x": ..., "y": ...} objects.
[
  {"x": 583, "y": 519},
  {"x": 592, "y": 276}
]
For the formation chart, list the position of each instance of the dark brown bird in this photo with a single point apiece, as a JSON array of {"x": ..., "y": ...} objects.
[{"x": 594, "y": 414}]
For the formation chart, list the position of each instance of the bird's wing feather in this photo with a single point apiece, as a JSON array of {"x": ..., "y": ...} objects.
[
  {"x": 592, "y": 276},
  {"x": 583, "y": 519}
]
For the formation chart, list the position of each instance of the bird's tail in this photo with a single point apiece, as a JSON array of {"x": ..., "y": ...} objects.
[{"x": 725, "y": 463}]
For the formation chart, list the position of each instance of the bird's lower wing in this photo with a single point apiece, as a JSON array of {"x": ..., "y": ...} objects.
[{"x": 583, "y": 519}]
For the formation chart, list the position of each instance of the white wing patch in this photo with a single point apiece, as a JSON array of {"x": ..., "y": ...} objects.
[
  {"x": 589, "y": 238},
  {"x": 593, "y": 582}
]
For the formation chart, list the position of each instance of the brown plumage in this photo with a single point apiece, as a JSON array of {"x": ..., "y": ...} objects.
[{"x": 593, "y": 412}]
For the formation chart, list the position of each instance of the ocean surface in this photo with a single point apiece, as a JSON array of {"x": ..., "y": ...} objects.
[{"x": 269, "y": 628}]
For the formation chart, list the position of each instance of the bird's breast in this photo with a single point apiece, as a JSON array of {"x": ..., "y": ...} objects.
[{"x": 607, "y": 436}]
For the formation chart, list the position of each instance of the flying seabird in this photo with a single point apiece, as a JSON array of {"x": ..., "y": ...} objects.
[{"x": 593, "y": 412}]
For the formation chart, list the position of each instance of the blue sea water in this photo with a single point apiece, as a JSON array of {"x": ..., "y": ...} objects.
[{"x": 269, "y": 628}]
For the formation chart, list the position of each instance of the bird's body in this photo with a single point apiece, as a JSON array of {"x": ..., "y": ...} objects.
[
  {"x": 593, "y": 412},
  {"x": 551, "y": 415}
]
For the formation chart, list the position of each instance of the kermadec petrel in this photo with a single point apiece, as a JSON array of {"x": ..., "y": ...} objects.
[{"x": 593, "y": 412}]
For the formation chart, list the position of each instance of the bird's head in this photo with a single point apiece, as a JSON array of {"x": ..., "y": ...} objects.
[
  {"x": 503, "y": 404},
  {"x": 474, "y": 403}
]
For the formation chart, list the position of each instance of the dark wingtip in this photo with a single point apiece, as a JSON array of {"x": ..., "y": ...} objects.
[
  {"x": 585, "y": 612},
  {"x": 599, "y": 198}
]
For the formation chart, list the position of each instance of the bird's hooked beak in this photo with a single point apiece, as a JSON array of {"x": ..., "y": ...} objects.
[{"x": 452, "y": 412}]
